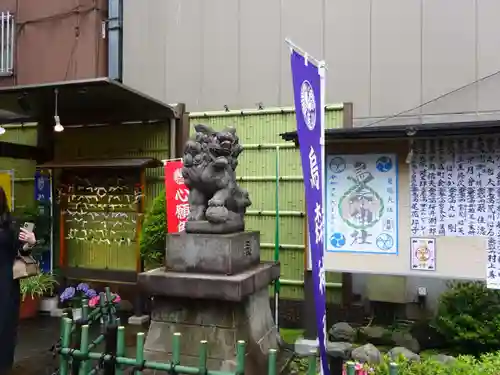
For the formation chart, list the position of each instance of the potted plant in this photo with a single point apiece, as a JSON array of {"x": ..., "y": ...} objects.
[
  {"x": 72, "y": 298},
  {"x": 32, "y": 290}
]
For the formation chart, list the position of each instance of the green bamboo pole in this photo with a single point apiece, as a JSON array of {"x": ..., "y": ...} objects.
[
  {"x": 240, "y": 357},
  {"x": 120, "y": 348},
  {"x": 203, "y": 356},
  {"x": 109, "y": 305},
  {"x": 311, "y": 368},
  {"x": 65, "y": 342},
  {"x": 96, "y": 342},
  {"x": 176, "y": 348},
  {"x": 351, "y": 369},
  {"x": 393, "y": 369},
  {"x": 271, "y": 362},
  {"x": 277, "y": 285},
  {"x": 102, "y": 309},
  {"x": 150, "y": 365},
  {"x": 85, "y": 310},
  {"x": 139, "y": 352},
  {"x": 84, "y": 348}
]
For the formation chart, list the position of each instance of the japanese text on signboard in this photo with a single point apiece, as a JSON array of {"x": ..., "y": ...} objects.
[
  {"x": 454, "y": 191},
  {"x": 177, "y": 197}
]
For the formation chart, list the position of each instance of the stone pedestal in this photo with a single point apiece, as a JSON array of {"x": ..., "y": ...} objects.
[
  {"x": 209, "y": 253},
  {"x": 227, "y": 302}
]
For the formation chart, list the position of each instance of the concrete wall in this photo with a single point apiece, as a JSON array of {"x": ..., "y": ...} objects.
[{"x": 385, "y": 56}]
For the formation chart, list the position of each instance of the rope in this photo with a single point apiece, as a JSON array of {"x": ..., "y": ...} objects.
[
  {"x": 140, "y": 367},
  {"x": 56, "y": 348},
  {"x": 172, "y": 369}
]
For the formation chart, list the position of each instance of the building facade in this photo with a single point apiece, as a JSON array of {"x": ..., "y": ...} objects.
[
  {"x": 384, "y": 56},
  {"x": 52, "y": 41}
]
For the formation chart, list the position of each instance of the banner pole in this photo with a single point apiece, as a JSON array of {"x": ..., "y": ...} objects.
[
  {"x": 277, "y": 284},
  {"x": 308, "y": 87}
]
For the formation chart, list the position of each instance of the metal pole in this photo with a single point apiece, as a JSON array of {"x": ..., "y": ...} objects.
[
  {"x": 318, "y": 63},
  {"x": 277, "y": 284}
]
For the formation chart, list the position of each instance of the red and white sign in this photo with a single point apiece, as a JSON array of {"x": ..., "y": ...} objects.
[{"x": 176, "y": 196}]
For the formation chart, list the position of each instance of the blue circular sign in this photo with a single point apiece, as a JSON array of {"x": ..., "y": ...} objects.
[
  {"x": 337, "y": 165},
  {"x": 384, "y": 164},
  {"x": 337, "y": 240},
  {"x": 385, "y": 242}
]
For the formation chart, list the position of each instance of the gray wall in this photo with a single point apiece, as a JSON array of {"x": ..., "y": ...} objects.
[{"x": 385, "y": 56}]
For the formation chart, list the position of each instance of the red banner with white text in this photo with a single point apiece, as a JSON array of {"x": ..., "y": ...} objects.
[{"x": 176, "y": 196}]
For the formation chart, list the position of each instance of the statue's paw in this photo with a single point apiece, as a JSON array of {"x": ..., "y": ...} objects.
[
  {"x": 217, "y": 214},
  {"x": 215, "y": 203}
]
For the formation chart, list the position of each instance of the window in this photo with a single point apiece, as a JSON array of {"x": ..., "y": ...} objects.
[{"x": 7, "y": 31}]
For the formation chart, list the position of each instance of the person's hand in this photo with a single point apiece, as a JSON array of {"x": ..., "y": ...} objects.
[{"x": 27, "y": 237}]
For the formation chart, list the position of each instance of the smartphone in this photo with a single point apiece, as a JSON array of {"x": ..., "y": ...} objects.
[{"x": 30, "y": 227}]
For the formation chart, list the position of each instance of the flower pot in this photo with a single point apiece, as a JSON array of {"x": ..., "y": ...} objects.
[
  {"x": 77, "y": 313},
  {"x": 29, "y": 307},
  {"x": 48, "y": 304}
]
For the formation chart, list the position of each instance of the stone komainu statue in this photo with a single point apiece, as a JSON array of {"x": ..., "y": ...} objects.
[{"x": 217, "y": 203}]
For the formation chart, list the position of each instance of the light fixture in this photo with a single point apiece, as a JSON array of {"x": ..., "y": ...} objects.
[
  {"x": 58, "y": 127},
  {"x": 2, "y": 130},
  {"x": 57, "y": 121}
]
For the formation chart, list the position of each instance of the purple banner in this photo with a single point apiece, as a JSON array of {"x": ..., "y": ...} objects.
[{"x": 309, "y": 110}]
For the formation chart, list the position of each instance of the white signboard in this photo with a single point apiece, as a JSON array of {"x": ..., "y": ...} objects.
[
  {"x": 455, "y": 191},
  {"x": 423, "y": 254},
  {"x": 361, "y": 203}
]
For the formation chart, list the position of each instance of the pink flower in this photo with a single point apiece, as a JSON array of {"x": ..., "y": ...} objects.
[
  {"x": 117, "y": 298},
  {"x": 94, "y": 301}
]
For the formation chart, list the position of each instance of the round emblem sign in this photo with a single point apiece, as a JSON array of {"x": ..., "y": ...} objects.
[{"x": 308, "y": 104}]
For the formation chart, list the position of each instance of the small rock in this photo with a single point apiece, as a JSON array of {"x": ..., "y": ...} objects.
[
  {"x": 406, "y": 340},
  {"x": 228, "y": 365},
  {"x": 125, "y": 305},
  {"x": 367, "y": 354},
  {"x": 443, "y": 358},
  {"x": 398, "y": 351},
  {"x": 342, "y": 332},
  {"x": 375, "y": 335},
  {"x": 339, "y": 349}
]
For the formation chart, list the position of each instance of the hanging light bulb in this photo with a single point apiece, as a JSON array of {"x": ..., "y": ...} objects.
[
  {"x": 57, "y": 125},
  {"x": 57, "y": 121},
  {"x": 2, "y": 130}
]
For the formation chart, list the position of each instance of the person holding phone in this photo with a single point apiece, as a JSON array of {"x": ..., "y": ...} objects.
[{"x": 11, "y": 242}]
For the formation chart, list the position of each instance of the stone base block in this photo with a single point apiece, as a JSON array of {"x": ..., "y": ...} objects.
[
  {"x": 225, "y": 254},
  {"x": 220, "y": 324},
  {"x": 138, "y": 320},
  {"x": 159, "y": 282}
]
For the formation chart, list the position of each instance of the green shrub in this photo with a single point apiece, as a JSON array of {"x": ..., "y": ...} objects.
[
  {"x": 487, "y": 364},
  {"x": 468, "y": 317},
  {"x": 152, "y": 239}
]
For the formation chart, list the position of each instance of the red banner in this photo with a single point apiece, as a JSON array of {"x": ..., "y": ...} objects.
[{"x": 176, "y": 196}]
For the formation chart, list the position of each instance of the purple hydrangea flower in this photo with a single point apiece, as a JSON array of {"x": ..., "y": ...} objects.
[
  {"x": 82, "y": 287},
  {"x": 90, "y": 293},
  {"x": 68, "y": 293}
]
